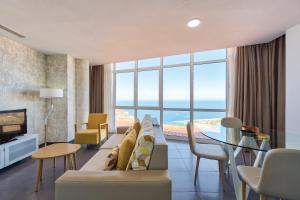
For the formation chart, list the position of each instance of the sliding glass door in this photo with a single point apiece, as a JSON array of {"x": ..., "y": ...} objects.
[{"x": 174, "y": 89}]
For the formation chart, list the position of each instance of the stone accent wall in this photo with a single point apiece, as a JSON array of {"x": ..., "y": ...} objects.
[
  {"x": 23, "y": 71},
  {"x": 57, "y": 78},
  {"x": 82, "y": 90},
  {"x": 22, "y": 74}
]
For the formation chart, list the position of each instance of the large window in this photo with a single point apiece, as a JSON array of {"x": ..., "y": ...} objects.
[{"x": 173, "y": 89}]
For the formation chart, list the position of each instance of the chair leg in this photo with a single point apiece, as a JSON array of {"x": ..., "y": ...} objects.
[
  {"x": 263, "y": 197},
  {"x": 243, "y": 190},
  {"x": 221, "y": 171},
  {"x": 196, "y": 170}
]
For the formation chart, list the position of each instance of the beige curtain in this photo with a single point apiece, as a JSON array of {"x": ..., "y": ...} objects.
[
  {"x": 260, "y": 87},
  {"x": 108, "y": 97},
  {"x": 96, "y": 88}
]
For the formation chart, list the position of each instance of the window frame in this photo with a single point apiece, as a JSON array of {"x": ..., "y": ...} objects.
[{"x": 160, "y": 68}]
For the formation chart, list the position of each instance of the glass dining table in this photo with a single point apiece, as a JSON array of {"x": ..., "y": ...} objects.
[{"x": 258, "y": 142}]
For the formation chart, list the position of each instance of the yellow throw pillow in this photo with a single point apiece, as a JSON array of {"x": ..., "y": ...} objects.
[
  {"x": 125, "y": 150},
  {"x": 112, "y": 159},
  {"x": 137, "y": 127}
]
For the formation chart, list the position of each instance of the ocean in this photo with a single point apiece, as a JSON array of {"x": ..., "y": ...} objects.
[{"x": 178, "y": 118}]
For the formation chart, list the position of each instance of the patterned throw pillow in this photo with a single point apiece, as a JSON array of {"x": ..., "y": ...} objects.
[
  {"x": 141, "y": 155},
  {"x": 112, "y": 159}
]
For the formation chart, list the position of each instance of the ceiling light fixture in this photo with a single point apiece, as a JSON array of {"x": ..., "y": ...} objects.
[{"x": 193, "y": 23}]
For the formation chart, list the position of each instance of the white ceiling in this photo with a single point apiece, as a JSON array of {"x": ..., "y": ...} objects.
[{"x": 117, "y": 30}]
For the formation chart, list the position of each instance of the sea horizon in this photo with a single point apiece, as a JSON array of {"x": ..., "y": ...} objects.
[{"x": 178, "y": 118}]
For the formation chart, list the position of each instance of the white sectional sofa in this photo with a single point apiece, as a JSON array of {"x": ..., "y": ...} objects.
[{"x": 91, "y": 182}]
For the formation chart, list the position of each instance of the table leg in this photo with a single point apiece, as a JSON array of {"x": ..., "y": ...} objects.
[
  {"x": 39, "y": 175},
  {"x": 70, "y": 164},
  {"x": 237, "y": 184},
  {"x": 261, "y": 154},
  {"x": 65, "y": 163},
  {"x": 54, "y": 163},
  {"x": 74, "y": 160}
]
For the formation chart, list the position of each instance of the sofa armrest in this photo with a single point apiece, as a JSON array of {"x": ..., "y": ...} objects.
[
  {"x": 122, "y": 129},
  {"x": 114, "y": 185}
]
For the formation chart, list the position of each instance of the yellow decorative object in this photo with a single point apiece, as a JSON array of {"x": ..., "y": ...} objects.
[
  {"x": 125, "y": 150},
  {"x": 263, "y": 136},
  {"x": 97, "y": 130}
]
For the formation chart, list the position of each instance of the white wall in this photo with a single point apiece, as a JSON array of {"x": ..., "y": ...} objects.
[
  {"x": 82, "y": 90},
  {"x": 293, "y": 87}
]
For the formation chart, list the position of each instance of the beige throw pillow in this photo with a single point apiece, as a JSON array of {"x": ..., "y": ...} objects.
[{"x": 125, "y": 151}]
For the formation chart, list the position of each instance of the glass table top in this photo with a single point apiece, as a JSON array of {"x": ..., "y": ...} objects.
[{"x": 260, "y": 139}]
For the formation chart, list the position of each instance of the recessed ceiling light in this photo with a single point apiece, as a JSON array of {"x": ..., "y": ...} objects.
[{"x": 193, "y": 23}]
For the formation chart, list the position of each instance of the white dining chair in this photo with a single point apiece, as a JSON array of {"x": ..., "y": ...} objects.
[
  {"x": 208, "y": 151},
  {"x": 231, "y": 122},
  {"x": 278, "y": 177},
  {"x": 235, "y": 124}
]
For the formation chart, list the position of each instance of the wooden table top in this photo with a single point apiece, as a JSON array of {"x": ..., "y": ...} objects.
[{"x": 55, "y": 150}]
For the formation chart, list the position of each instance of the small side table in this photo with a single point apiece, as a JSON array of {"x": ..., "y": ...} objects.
[{"x": 68, "y": 151}]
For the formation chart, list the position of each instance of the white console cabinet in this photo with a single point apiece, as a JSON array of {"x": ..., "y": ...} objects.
[{"x": 18, "y": 149}]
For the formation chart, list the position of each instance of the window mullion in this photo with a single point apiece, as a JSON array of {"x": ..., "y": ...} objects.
[
  {"x": 135, "y": 90},
  {"x": 192, "y": 87},
  {"x": 161, "y": 93}
]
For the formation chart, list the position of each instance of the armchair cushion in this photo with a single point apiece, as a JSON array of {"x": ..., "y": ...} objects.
[
  {"x": 90, "y": 136},
  {"x": 95, "y": 119}
]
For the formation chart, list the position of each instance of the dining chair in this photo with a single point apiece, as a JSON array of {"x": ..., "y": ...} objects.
[
  {"x": 278, "y": 177},
  {"x": 208, "y": 151},
  {"x": 235, "y": 124},
  {"x": 231, "y": 122}
]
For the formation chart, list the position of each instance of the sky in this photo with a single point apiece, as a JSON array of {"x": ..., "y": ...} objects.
[{"x": 209, "y": 79}]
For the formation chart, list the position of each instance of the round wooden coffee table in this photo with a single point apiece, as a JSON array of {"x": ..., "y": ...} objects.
[{"x": 68, "y": 151}]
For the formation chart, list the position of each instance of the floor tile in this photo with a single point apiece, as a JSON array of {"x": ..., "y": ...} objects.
[
  {"x": 177, "y": 164},
  {"x": 173, "y": 153}
]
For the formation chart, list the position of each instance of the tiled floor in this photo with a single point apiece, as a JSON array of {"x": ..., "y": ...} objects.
[
  {"x": 17, "y": 181},
  {"x": 182, "y": 169}
]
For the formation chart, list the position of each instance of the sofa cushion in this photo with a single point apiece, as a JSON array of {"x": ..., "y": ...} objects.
[
  {"x": 125, "y": 150},
  {"x": 112, "y": 159},
  {"x": 97, "y": 162},
  {"x": 141, "y": 155},
  {"x": 128, "y": 130},
  {"x": 137, "y": 127},
  {"x": 113, "y": 141}
]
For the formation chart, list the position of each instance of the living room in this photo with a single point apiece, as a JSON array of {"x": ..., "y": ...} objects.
[{"x": 101, "y": 96}]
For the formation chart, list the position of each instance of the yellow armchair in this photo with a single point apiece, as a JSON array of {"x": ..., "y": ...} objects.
[{"x": 96, "y": 130}]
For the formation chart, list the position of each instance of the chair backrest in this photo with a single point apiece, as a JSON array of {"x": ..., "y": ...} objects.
[
  {"x": 280, "y": 176},
  {"x": 231, "y": 122},
  {"x": 191, "y": 137},
  {"x": 95, "y": 119}
]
